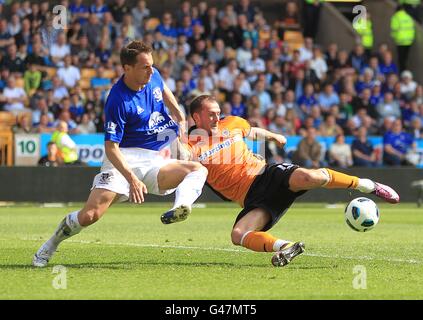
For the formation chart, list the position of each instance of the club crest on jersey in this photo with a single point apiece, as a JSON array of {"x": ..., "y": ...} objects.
[
  {"x": 139, "y": 110},
  {"x": 157, "y": 93},
  {"x": 155, "y": 119},
  {"x": 225, "y": 133}
]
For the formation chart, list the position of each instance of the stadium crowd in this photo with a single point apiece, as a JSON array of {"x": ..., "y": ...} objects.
[{"x": 49, "y": 74}]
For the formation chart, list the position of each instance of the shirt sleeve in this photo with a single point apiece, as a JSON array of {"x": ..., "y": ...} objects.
[
  {"x": 115, "y": 119},
  {"x": 241, "y": 124}
]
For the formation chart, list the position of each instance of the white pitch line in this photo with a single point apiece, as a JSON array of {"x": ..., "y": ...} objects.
[{"x": 140, "y": 245}]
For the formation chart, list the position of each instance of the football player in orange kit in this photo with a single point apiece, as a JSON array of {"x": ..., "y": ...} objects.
[{"x": 264, "y": 191}]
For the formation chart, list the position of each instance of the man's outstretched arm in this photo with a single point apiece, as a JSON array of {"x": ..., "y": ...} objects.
[{"x": 263, "y": 134}]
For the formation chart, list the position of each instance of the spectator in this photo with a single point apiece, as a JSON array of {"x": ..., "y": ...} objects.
[
  {"x": 52, "y": 158},
  {"x": 14, "y": 97},
  {"x": 244, "y": 54},
  {"x": 263, "y": 96},
  {"x": 290, "y": 19},
  {"x": 86, "y": 126},
  {"x": 364, "y": 154},
  {"x": 139, "y": 15},
  {"x": 25, "y": 34},
  {"x": 397, "y": 144},
  {"x": 6, "y": 38},
  {"x": 217, "y": 52},
  {"x": 358, "y": 58},
  {"x": 167, "y": 30},
  {"x": 388, "y": 108},
  {"x": 69, "y": 74},
  {"x": 227, "y": 75},
  {"x": 309, "y": 151},
  {"x": 328, "y": 98},
  {"x": 13, "y": 62},
  {"x": 59, "y": 90},
  {"x": 238, "y": 107},
  {"x": 79, "y": 12},
  {"x": 24, "y": 124},
  {"x": 387, "y": 66},
  {"x": 92, "y": 29},
  {"x": 318, "y": 64},
  {"x": 68, "y": 153},
  {"x": 42, "y": 108},
  {"x": 226, "y": 109},
  {"x": 76, "y": 108},
  {"x": 306, "y": 51},
  {"x": 308, "y": 99},
  {"x": 407, "y": 85},
  {"x": 329, "y": 128},
  {"x": 416, "y": 129},
  {"x": 254, "y": 66},
  {"x": 100, "y": 80},
  {"x": 255, "y": 118},
  {"x": 340, "y": 153},
  {"x": 99, "y": 9},
  {"x": 227, "y": 33},
  {"x": 118, "y": 10},
  {"x": 244, "y": 7},
  {"x": 200, "y": 89},
  {"x": 403, "y": 34},
  {"x": 292, "y": 123},
  {"x": 32, "y": 79},
  {"x": 59, "y": 50},
  {"x": 362, "y": 101},
  {"x": 280, "y": 126}
]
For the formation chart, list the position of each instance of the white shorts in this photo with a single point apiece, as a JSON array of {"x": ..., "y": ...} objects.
[{"x": 143, "y": 162}]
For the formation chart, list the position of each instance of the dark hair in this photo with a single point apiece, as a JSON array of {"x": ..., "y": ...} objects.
[
  {"x": 197, "y": 103},
  {"x": 129, "y": 53}
]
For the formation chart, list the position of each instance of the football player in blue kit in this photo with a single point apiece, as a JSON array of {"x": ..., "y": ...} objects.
[{"x": 137, "y": 127}]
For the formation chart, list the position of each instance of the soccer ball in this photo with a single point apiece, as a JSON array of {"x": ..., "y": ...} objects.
[{"x": 362, "y": 214}]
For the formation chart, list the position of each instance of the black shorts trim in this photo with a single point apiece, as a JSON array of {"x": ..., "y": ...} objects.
[{"x": 270, "y": 191}]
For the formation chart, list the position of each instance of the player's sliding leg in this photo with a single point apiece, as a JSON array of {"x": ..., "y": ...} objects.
[
  {"x": 306, "y": 179},
  {"x": 244, "y": 234},
  {"x": 188, "y": 178},
  {"x": 97, "y": 204}
]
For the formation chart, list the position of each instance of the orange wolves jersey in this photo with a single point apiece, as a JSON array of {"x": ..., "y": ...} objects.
[{"x": 232, "y": 166}]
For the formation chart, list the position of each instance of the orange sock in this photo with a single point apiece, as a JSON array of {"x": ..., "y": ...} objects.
[
  {"x": 259, "y": 241},
  {"x": 338, "y": 180}
]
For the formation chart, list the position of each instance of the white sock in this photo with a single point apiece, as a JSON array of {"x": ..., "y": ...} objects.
[
  {"x": 365, "y": 185},
  {"x": 67, "y": 228},
  {"x": 279, "y": 244},
  {"x": 190, "y": 188}
]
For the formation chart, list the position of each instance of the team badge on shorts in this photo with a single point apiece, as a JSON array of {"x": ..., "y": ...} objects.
[{"x": 105, "y": 178}]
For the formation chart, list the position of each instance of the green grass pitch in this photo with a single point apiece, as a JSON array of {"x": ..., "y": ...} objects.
[{"x": 130, "y": 254}]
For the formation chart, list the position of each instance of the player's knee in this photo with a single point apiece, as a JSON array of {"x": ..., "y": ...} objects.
[
  {"x": 322, "y": 176},
  {"x": 314, "y": 178},
  {"x": 236, "y": 236},
  {"x": 90, "y": 216},
  {"x": 307, "y": 179}
]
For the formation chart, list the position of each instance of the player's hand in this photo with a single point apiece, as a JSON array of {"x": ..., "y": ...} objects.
[
  {"x": 280, "y": 141},
  {"x": 137, "y": 189}
]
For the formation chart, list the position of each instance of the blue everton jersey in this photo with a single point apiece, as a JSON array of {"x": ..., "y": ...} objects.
[{"x": 139, "y": 119}]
